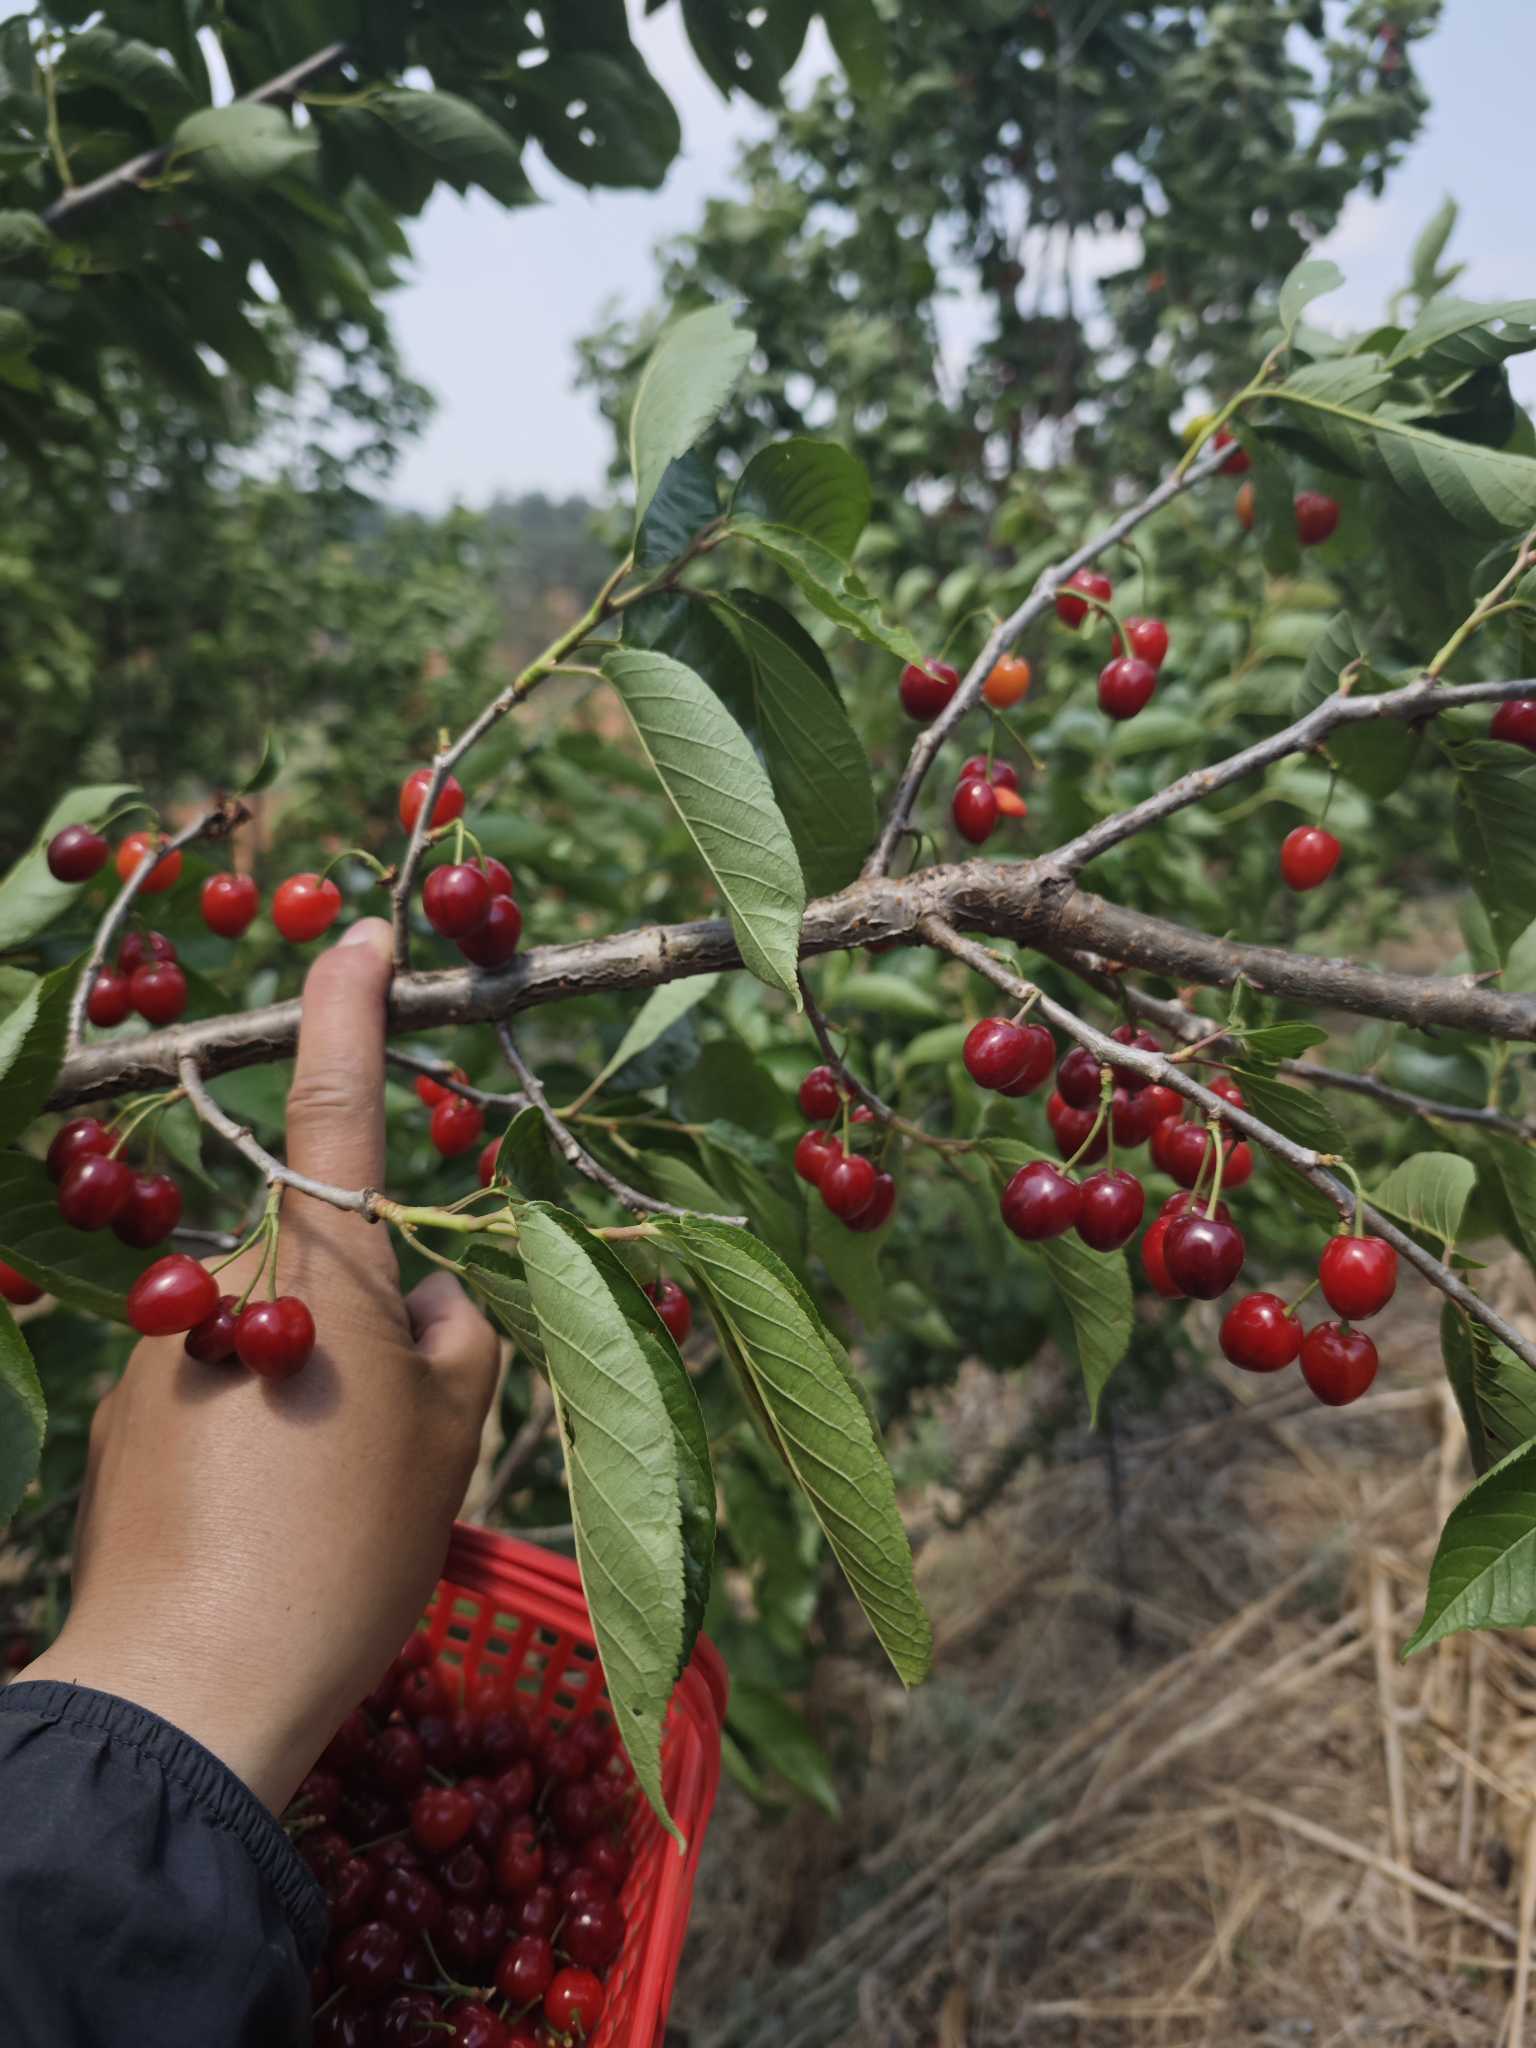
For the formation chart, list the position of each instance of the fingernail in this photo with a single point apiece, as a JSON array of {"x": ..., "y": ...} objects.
[{"x": 369, "y": 931}]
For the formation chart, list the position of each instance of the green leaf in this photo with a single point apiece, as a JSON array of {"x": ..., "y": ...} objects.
[
  {"x": 20, "y": 232},
  {"x": 1291, "y": 1111},
  {"x": 1313, "y": 278},
  {"x": 1495, "y": 1391},
  {"x": 621, "y": 1458},
  {"x": 722, "y": 794},
  {"x": 824, "y": 1431},
  {"x": 1483, "y": 490},
  {"x": 30, "y": 899},
  {"x": 1281, "y": 1041},
  {"x": 692, "y": 371},
  {"x": 133, "y": 70},
  {"x": 1515, "y": 1165},
  {"x": 626, "y": 131},
  {"x": 267, "y": 769},
  {"x": 1094, "y": 1287},
  {"x": 1424, "y": 264},
  {"x": 834, "y": 589},
  {"x": 685, "y": 502},
  {"x": 811, "y": 487},
  {"x": 858, "y": 38},
  {"x": 815, "y": 760},
  {"x": 23, "y": 1416},
  {"x": 1491, "y": 814},
  {"x": 1430, "y": 1191},
  {"x": 1458, "y": 334},
  {"x": 943, "y": 1043},
  {"x": 852, "y": 1260},
  {"x": 241, "y": 144},
  {"x": 1484, "y": 1570},
  {"x": 526, "y": 1159},
  {"x": 779, "y": 1738},
  {"x": 884, "y": 993},
  {"x": 454, "y": 133},
  {"x": 1375, "y": 758},
  {"x": 745, "y": 1187},
  {"x": 31, "y": 1048},
  {"x": 88, "y": 1270},
  {"x": 497, "y": 1276},
  {"x": 656, "y": 1015}
]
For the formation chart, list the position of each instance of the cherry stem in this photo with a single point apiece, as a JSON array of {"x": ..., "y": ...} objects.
[
  {"x": 458, "y": 843},
  {"x": 136, "y": 1114},
  {"x": 1096, "y": 1126},
  {"x": 380, "y": 872},
  {"x": 1098, "y": 605},
  {"x": 1018, "y": 739},
  {"x": 1353, "y": 1178},
  {"x": 1311, "y": 1288},
  {"x": 979, "y": 611},
  {"x": 1333, "y": 783},
  {"x": 1220, "y": 1151}
]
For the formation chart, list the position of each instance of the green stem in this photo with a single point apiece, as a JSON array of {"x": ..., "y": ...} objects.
[{"x": 1220, "y": 1152}]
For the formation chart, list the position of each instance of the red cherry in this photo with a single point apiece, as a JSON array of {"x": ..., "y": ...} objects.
[
  {"x": 212, "y": 1341},
  {"x": 79, "y": 1138},
  {"x": 465, "y": 1874},
  {"x": 526, "y": 1969},
  {"x": 1515, "y": 721},
  {"x": 520, "y": 1865},
  {"x": 1237, "y": 1166},
  {"x": 396, "y": 1758},
  {"x": 1014, "y": 1058},
  {"x": 1133, "y": 1118},
  {"x": 413, "y": 794},
  {"x": 133, "y": 853},
  {"x": 1071, "y": 610},
  {"x": 515, "y": 1788},
  {"x": 1180, "y": 1149},
  {"x": 819, "y": 1097},
  {"x": 229, "y": 903},
  {"x": 496, "y": 941},
  {"x": 140, "y": 948},
  {"x": 413, "y": 2019},
  {"x": 412, "y": 1902},
  {"x": 457, "y": 900},
  {"x": 1358, "y": 1276},
  {"x": 1147, "y": 639},
  {"x": 574, "y": 2002},
  {"x": 1203, "y": 1255},
  {"x": 275, "y": 1338},
  {"x": 1243, "y": 505},
  {"x": 1338, "y": 1364},
  {"x": 304, "y": 907},
  {"x": 433, "y": 1092},
  {"x": 485, "y": 1172},
  {"x": 151, "y": 1212},
  {"x": 1000, "y": 774},
  {"x": 848, "y": 1186},
  {"x": 110, "y": 999},
  {"x": 1040, "y": 1202},
  {"x": 673, "y": 1306},
  {"x": 593, "y": 1932},
  {"x": 369, "y": 1958},
  {"x": 1126, "y": 685},
  {"x": 581, "y": 1884},
  {"x": 1239, "y": 462},
  {"x": 422, "y": 1693},
  {"x": 76, "y": 853},
  {"x": 1072, "y": 1129},
  {"x": 815, "y": 1152},
  {"x": 1308, "y": 856},
  {"x": 457, "y": 1126},
  {"x": 499, "y": 877},
  {"x": 974, "y": 810},
  {"x": 441, "y": 1817},
  {"x": 1154, "y": 1262},
  {"x": 1111, "y": 1210},
  {"x": 1260, "y": 1334},
  {"x": 1077, "y": 1079},
  {"x": 1008, "y": 682},
  {"x": 882, "y": 1202},
  {"x": 475, "y": 2026},
  {"x": 16, "y": 1288},
  {"x": 926, "y": 691},
  {"x": 158, "y": 992},
  {"x": 94, "y": 1191},
  {"x": 608, "y": 1859},
  {"x": 862, "y": 1114},
  {"x": 171, "y": 1296},
  {"x": 1317, "y": 516}
]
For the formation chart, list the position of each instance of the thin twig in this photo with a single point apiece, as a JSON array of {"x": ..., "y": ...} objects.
[
  {"x": 576, "y": 1154},
  {"x": 446, "y": 1075},
  {"x": 849, "y": 1081},
  {"x": 1312, "y": 1166},
  {"x": 926, "y": 746},
  {"x": 524, "y": 1447},
  {"x": 360, "y": 1201},
  {"x": 215, "y": 824}
]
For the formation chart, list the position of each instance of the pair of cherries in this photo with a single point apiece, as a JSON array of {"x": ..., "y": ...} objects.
[
  {"x": 926, "y": 689},
  {"x": 147, "y": 978},
  {"x": 1317, "y": 515},
  {"x": 986, "y": 791},
  {"x": 857, "y": 1192}
]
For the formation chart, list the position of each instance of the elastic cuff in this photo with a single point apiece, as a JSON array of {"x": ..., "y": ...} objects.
[{"x": 218, "y": 1795}]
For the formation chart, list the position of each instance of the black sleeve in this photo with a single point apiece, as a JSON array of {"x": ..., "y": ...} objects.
[{"x": 146, "y": 1896}]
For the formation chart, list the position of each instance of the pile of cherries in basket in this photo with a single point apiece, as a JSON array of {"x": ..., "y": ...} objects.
[{"x": 472, "y": 1863}]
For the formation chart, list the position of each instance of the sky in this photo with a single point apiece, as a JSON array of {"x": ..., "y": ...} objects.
[{"x": 495, "y": 300}]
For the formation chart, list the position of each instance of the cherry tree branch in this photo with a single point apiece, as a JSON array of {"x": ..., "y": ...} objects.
[
  {"x": 1009, "y": 901},
  {"x": 65, "y": 212},
  {"x": 361, "y": 1201},
  {"x": 1414, "y": 702},
  {"x": 217, "y": 823},
  {"x": 925, "y": 747},
  {"x": 848, "y": 1080},
  {"x": 1312, "y": 1166},
  {"x": 581, "y": 1159},
  {"x": 446, "y": 1075}
]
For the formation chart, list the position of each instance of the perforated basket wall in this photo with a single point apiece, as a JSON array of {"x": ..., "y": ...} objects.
[{"x": 502, "y": 1605}]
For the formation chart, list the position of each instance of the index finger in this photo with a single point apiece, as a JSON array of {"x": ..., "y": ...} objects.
[{"x": 336, "y": 1102}]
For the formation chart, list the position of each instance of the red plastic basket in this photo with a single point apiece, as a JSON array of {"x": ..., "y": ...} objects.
[{"x": 502, "y": 1605}]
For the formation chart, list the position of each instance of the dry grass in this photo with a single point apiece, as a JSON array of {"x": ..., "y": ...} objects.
[{"x": 1170, "y": 1786}]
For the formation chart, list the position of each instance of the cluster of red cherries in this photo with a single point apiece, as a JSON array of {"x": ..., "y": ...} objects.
[
  {"x": 472, "y": 1863},
  {"x": 1192, "y": 1248},
  {"x": 858, "y": 1193}
]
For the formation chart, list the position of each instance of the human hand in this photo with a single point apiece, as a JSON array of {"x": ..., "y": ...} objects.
[{"x": 249, "y": 1554}]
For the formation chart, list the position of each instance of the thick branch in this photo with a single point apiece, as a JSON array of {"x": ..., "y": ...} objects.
[
  {"x": 1002, "y": 901},
  {"x": 1300, "y": 1158},
  {"x": 66, "y": 211},
  {"x": 570, "y": 1147},
  {"x": 215, "y": 824},
  {"x": 926, "y": 746}
]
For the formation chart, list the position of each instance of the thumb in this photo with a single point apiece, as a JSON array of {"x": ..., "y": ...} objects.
[
  {"x": 336, "y": 1103},
  {"x": 453, "y": 1337}
]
